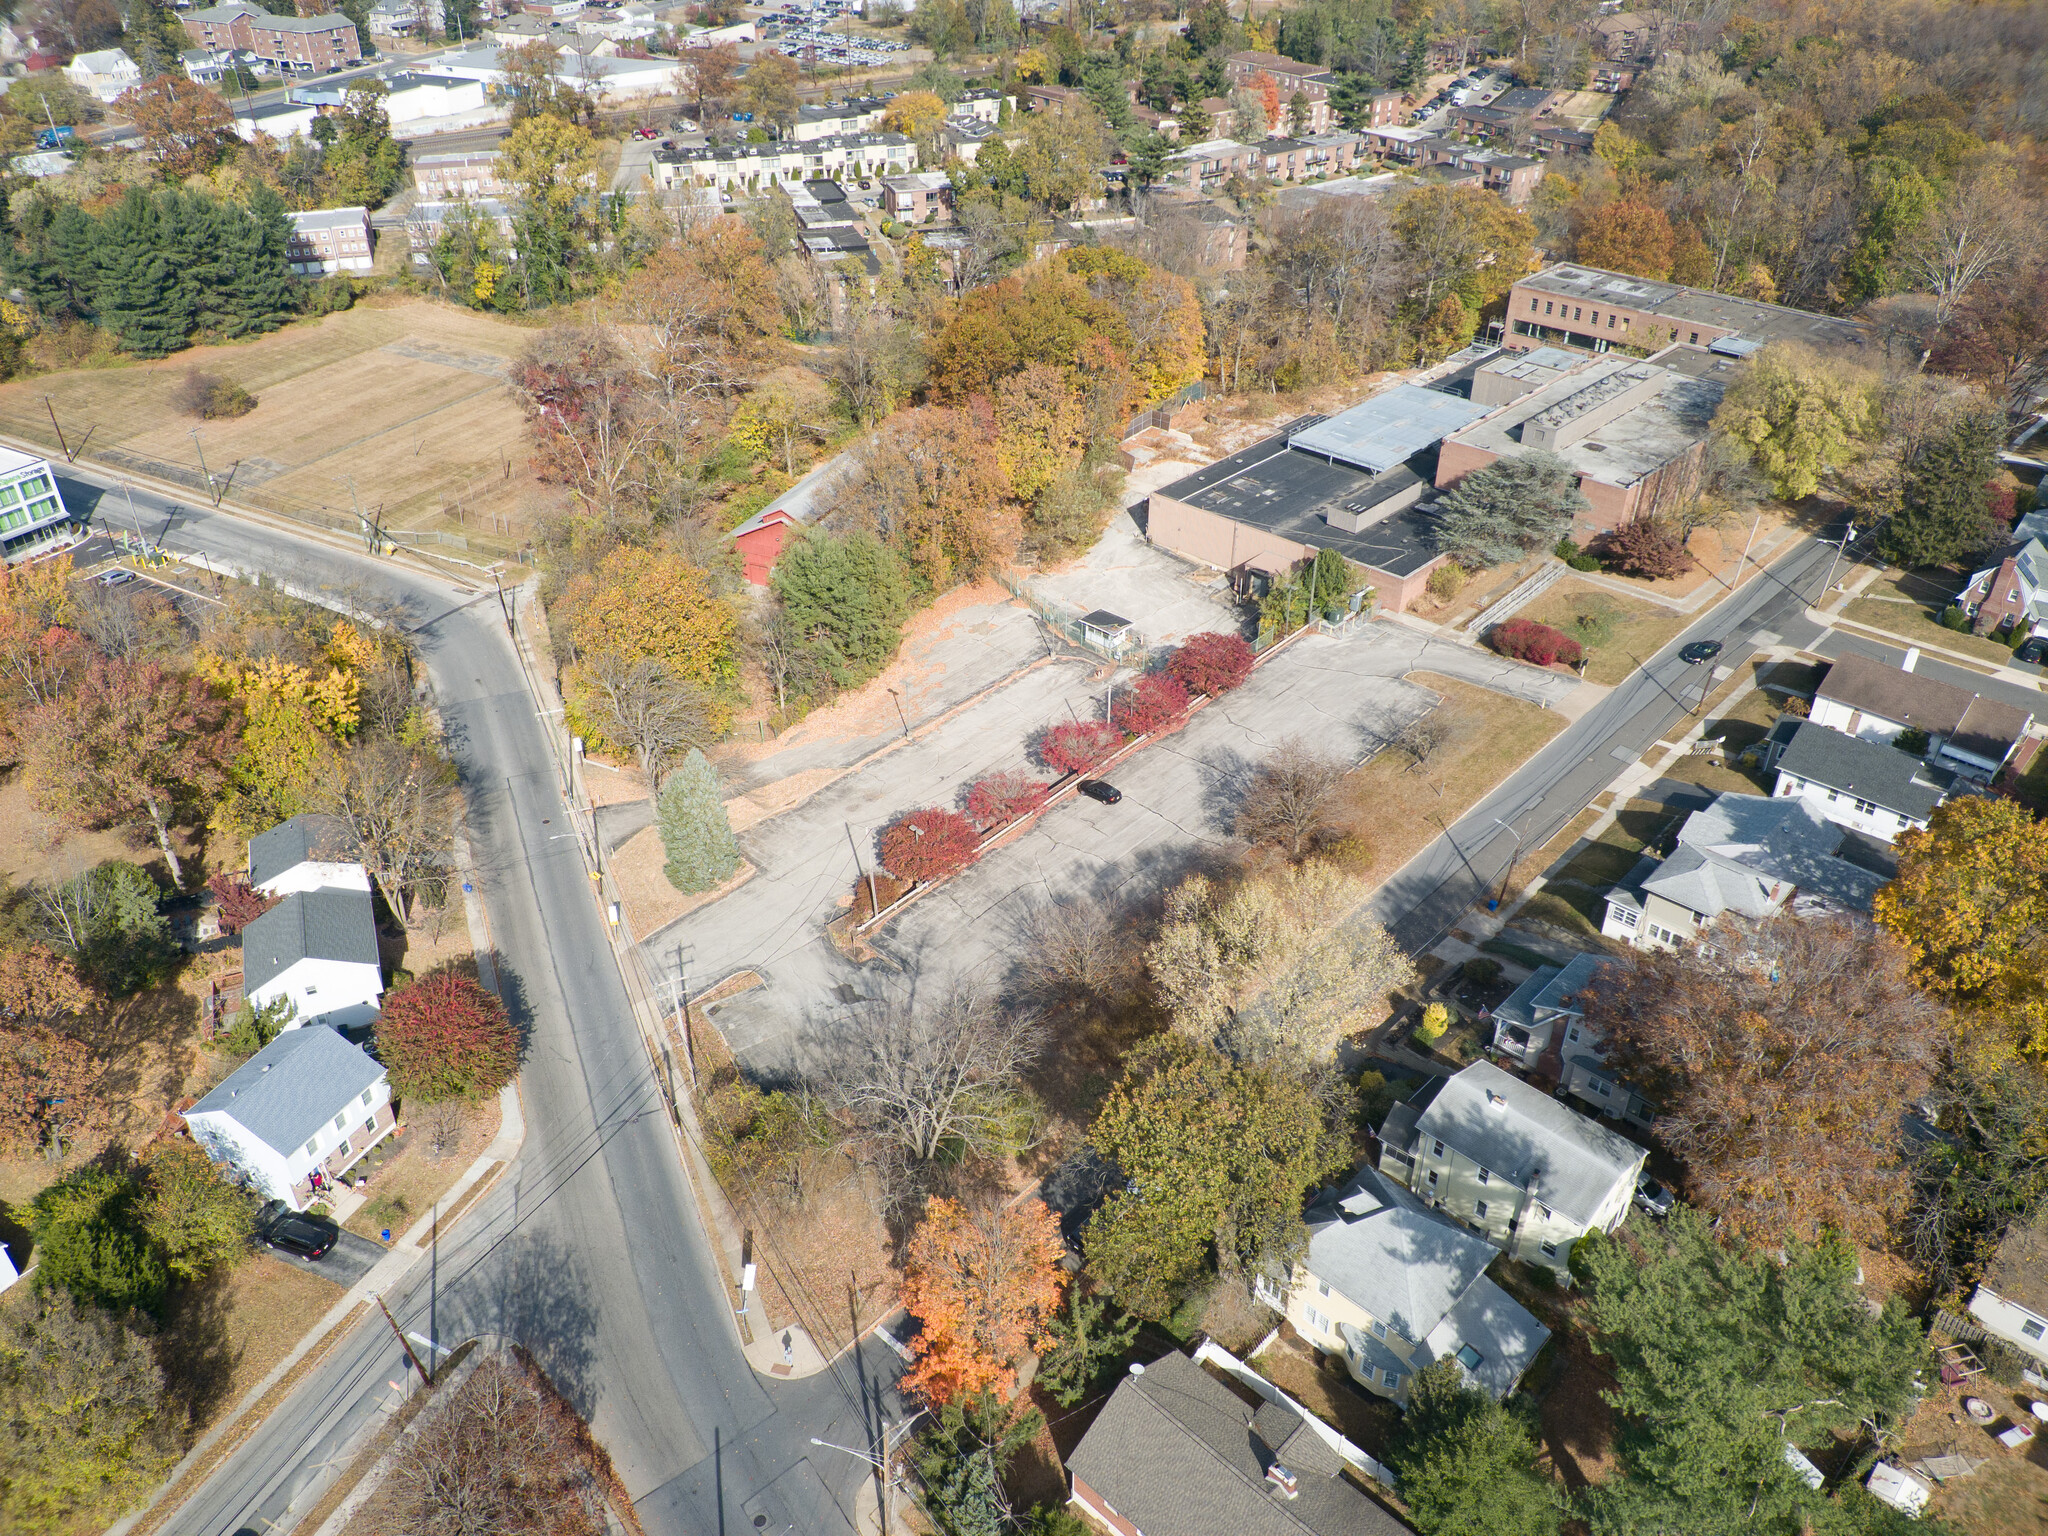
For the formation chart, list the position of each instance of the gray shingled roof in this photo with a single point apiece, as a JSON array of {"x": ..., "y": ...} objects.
[
  {"x": 1731, "y": 854},
  {"x": 285, "y": 1092},
  {"x": 1384, "y": 1250},
  {"x": 1522, "y": 1133},
  {"x": 295, "y": 842},
  {"x": 323, "y": 925},
  {"x": 1175, "y": 1450},
  {"x": 1981, "y": 726},
  {"x": 1501, "y": 1331},
  {"x": 1896, "y": 780}
]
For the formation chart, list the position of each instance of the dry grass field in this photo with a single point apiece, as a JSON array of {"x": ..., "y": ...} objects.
[{"x": 406, "y": 397}]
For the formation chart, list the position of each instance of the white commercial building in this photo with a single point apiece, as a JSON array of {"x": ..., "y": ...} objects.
[{"x": 33, "y": 519}]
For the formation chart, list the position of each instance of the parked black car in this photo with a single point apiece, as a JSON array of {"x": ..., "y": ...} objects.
[
  {"x": 2033, "y": 651},
  {"x": 1098, "y": 789},
  {"x": 307, "y": 1236},
  {"x": 1699, "y": 651}
]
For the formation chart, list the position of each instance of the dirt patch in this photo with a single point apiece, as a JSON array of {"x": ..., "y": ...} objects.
[
  {"x": 410, "y": 1176},
  {"x": 1320, "y": 1384},
  {"x": 2009, "y": 1491},
  {"x": 651, "y": 903},
  {"x": 607, "y": 783}
]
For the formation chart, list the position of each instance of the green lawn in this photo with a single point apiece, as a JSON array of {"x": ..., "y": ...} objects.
[
  {"x": 1618, "y": 632},
  {"x": 1909, "y": 605}
]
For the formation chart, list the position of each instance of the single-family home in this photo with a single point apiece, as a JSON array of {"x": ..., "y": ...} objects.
[
  {"x": 1542, "y": 1028},
  {"x": 1874, "y": 789},
  {"x": 1173, "y": 1440},
  {"x": 319, "y": 949},
  {"x": 2011, "y": 595},
  {"x": 1964, "y": 730},
  {"x": 105, "y": 73},
  {"x": 304, "y": 854},
  {"x": 1531, "y": 1175},
  {"x": 1750, "y": 856},
  {"x": 1389, "y": 1285},
  {"x": 2011, "y": 1301},
  {"x": 299, "y": 1113},
  {"x": 203, "y": 68}
]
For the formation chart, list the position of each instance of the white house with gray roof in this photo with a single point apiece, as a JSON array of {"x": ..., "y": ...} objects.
[
  {"x": 1751, "y": 855},
  {"x": 319, "y": 949},
  {"x": 307, "y": 1102},
  {"x": 304, "y": 854},
  {"x": 1877, "y": 790},
  {"x": 1389, "y": 1285},
  {"x": 1542, "y": 1028},
  {"x": 1531, "y": 1175}
]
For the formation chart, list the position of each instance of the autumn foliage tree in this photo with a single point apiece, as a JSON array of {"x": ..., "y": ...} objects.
[
  {"x": 128, "y": 742},
  {"x": 1002, "y": 797},
  {"x": 1629, "y": 235},
  {"x": 184, "y": 126},
  {"x": 1970, "y": 905},
  {"x": 1075, "y": 746},
  {"x": 240, "y": 905},
  {"x": 1644, "y": 547},
  {"x": 446, "y": 1037},
  {"x": 929, "y": 483},
  {"x": 1211, "y": 663},
  {"x": 1781, "y": 1058},
  {"x": 981, "y": 1283},
  {"x": 1155, "y": 701},
  {"x": 928, "y": 844}
]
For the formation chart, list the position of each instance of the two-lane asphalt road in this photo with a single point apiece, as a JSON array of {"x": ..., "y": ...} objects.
[
  {"x": 1466, "y": 864},
  {"x": 590, "y": 1251}
]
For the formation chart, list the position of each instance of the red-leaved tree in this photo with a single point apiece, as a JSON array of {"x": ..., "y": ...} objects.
[
  {"x": 1001, "y": 798},
  {"x": 445, "y": 1037},
  {"x": 927, "y": 844},
  {"x": 1526, "y": 640},
  {"x": 1211, "y": 663},
  {"x": 1152, "y": 703},
  {"x": 1643, "y": 547},
  {"x": 1075, "y": 746},
  {"x": 240, "y": 903}
]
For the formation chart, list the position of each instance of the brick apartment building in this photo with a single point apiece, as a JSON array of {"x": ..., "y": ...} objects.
[
  {"x": 459, "y": 174},
  {"x": 306, "y": 45},
  {"x": 329, "y": 240},
  {"x": 1585, "y": 308}
]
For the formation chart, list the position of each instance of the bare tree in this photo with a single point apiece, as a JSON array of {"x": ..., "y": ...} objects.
[
  {"x": 644, "y": 705},
  {"x": 1420, "y": 740},
  {"x": 498, "y": 1458},
  {"x": 920, "y": 1074},
  {"x": 1070, "y": 951},
  {"x": 397, "y": 806},
  {"x": 1979, "y": 229},
  {"x": 1291, "y": 797}
]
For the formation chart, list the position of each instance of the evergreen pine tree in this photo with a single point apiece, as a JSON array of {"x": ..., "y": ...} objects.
[
  {"x": 1943, "y": 504},
  {"x": 139, "y": 297},
  {"x": 259, "y": 292},
  {"x": 201, "y": 262},
  {"x": 74, "y": 239},
  {"x": 694, "y": 829}
]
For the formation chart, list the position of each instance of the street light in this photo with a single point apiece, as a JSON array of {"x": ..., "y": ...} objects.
[
  {"x": 1848, "y": 538},
  {"x": 879, "y": 1463}
]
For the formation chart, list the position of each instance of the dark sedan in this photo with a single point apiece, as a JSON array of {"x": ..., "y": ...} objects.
[
  {"x": 1098, "y": 789},
  {"x": 1699, "y": 651},
  {"x": 307, "y": 1236}
]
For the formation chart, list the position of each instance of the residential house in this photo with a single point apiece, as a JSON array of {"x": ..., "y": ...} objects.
[
  {"x": 1291, "y": 78},
  {"x": 1528, "y": 1173},
  {"x": 1965, "y": 731},
  {"x": 1206, "y": 166},
  {"x": 1389, "y": 1285},
  {"x": 961, "y": 138},
  {"x": 299, "y": 1113},
  {"x": 203, "y": 68},
  {"x": 834, "y": 119},
  {"x": 306, "y": 45},
  {"x": 1396, "y": 144},
  {"x": 1560, "y": 139},
  {"x": 1751, "y": 856},
  {"x": 1870, "y": 787},
  {"x": 398, "y": 18},
  {"x": 919, "y": 196},
  {"x": 1542, "y": 1028},
  {"x": 1584, "y": 307},
  {"x": 460, "y": 173},
  {"x": 2010, "y": 597},
  {"x": 1053, "y": 98},
  {"x": 318, "y": 948},
  {"x": 325, "y": 241},
  {"x": 1173, "y": 1440},
  {"x": 104, "y": 73},
  {"x": 33, "y": 517},
  {"x": 303, "y": 854},
  {"x": 1512, "y": 177},
  {"x": 982, "y": 104},
  {"x": 2012, "y": 1299},
  {"x": 1511, "y": 114},
  {"x": 746, "y": 167}
]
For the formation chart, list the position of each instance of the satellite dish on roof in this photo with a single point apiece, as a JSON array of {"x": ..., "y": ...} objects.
[{"x": 1137, "y": 1369}]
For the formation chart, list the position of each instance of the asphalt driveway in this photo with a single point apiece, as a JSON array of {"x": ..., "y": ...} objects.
[{"x": 349, "y": 1260}]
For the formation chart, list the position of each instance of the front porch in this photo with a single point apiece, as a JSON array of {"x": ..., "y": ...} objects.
[{"x": 337, "y": 1163}]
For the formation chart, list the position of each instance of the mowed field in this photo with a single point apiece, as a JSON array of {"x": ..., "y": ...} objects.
[{"x": 404, "y": 396}]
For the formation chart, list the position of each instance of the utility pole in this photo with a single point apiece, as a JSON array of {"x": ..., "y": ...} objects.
[
  {"x": 503, "y": 606},
  {"x": 1848, "y": 538},
  {"x": 203, "y": 470},
  {"x": 874, "y": 901},
  {"x": 404, "y": 1343}
]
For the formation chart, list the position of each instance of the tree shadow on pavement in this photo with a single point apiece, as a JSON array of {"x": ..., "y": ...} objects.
[{"x": 539, "y": 1295}]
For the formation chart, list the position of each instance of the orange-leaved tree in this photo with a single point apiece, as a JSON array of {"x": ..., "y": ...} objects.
[
  {"x": 1629, "y": 235},
  {"x": 982, "y": 1282}
]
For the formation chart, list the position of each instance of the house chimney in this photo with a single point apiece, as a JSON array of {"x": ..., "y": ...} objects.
[
  {"x": 1912, "y": 659},
  {"x": 1284, "y": 1482}
]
